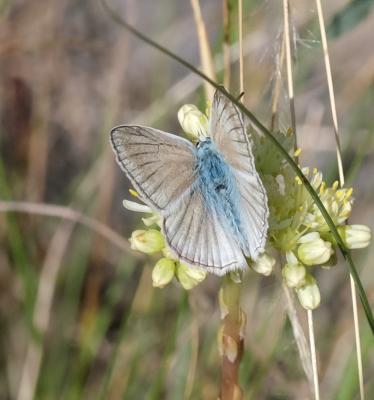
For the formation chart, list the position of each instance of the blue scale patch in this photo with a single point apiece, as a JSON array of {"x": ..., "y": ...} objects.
[{"x": 218, "y": 186}]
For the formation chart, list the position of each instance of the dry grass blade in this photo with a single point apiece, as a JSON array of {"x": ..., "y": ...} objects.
[
  {"x": 291, "y": 97},
  {"x": 205, "y": 51},
  {"x": 241, "y": 58},
  {"x": 69, "y": 214},
  {"x": 313, "y": 354},
  {"x": 226, "y": 43},
  {"x": 342, "y": 180},
  {"x": 331, "y": 90},
  {"x": 277, "y": 84}
]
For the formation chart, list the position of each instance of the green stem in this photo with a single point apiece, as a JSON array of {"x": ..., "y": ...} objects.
[{"x": 345, "y": 252}]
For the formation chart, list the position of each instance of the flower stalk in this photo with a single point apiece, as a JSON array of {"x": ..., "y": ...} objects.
[{"x": 231, "y": 339}]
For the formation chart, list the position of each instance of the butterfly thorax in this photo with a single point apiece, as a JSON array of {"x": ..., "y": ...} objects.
[
  {"x": 218, "y": 186},
  {"x": 212, "y": 169}
]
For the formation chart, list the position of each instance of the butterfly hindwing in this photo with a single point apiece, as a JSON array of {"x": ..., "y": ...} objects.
[
  {"x": 228, "y": 132},
  {"x": 198, "y": 235}
]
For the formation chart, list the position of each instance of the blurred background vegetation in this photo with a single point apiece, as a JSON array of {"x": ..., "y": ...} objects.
[{"x": 79, "y": 318}]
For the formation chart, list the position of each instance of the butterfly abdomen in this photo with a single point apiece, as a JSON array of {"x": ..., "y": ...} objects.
[{"x": 218, "y": 186}]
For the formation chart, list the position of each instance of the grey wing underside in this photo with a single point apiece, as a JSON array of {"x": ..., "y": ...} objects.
[
  {"x": 228, "y": 132},
  {"x": 198, "y": 236}
]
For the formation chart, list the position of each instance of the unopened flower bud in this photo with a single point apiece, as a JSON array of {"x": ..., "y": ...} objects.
[
  {"x": 264, "y": 264},
  {"x": 355, "y": 236},
  {"x": 309, "y": 295},
  {"x": 147, "y": 241},
  {"x": 316, "y": 180},
  {"x": 313, "y": 250},
  {"x": 134, "y": 206},
  {"x": 294, "y": 275},
  {"x": 189, "y": 277},
  {"x": 163, "y": 272},
  {"x": 291, "y": 258},
  {"x": 193, "y": 121}
]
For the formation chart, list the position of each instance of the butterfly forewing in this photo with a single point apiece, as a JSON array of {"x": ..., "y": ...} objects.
[
  {"x": 228, "y": 132},
  {"x": 158, "y": 164}
]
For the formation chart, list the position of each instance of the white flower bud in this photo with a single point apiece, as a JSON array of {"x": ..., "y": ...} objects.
[
  {"x": 150, "y": 241},
  {"x": 294, "y": 275},
  {"x": 134, "y": 206},
  {"x": 355, "y": 236},
  {"x": 291, "y": 258},
  {"x": 193, "y": 121},
  {"x": 163, "y": 272},
  {"x": 189, "y": 277},
  {"x": 316, "y": 180},
  {"x": 309, "y": 295},
  {"x": 263, "y": 264},
  {"x": 313, "y": 250}
]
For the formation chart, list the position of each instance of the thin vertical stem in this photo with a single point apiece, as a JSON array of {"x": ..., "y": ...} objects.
[
  {"x": 234, "y": 319},
  {"x": 357, "y": 338},
  {"x": 226, "y": 44},
  {"x": 241, "y": 58},
  {"x": 290, "y": 88},
  {"x": 299, "y": 335},
  {"x": 277, "y": 84},
  {"x": 342, "y": 180},
  {"x": 286, "y": 17},
  {"x": 331, "y": 90},
  {"x": 231, "y": 339},
  {"x": 205, "y": 51},
  {"x": 313, "y": 354}
]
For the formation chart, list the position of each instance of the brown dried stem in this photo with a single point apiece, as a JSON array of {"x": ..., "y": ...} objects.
[{"x": 231, "y": 339}]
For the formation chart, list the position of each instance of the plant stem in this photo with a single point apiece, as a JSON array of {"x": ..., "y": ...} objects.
[
  {"x": 241, "y": 58},
  {"x": 231, "y": 339},
  {"x": 341, "y": 180},
  {"x": 313, "y": 354},
  {"x": 290, "y": 90},
  {"x": 205, "y": 51},
  {"x": 226, "y": 44}
]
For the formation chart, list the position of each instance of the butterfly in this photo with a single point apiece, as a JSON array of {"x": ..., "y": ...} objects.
[{"x": 210, "y": 196}]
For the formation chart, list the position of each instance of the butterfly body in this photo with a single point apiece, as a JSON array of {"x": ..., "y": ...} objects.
[
  {"x": 218, "y": 186},
  {"x": 210, "y": 197}
]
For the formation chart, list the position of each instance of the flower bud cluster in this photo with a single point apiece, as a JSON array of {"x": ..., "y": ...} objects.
[
  {"x": 151, "y": 241},
  {"x": 296, "y": 226}
]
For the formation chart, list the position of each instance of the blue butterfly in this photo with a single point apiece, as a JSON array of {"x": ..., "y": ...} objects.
[{"x": 210, "y": 196}]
